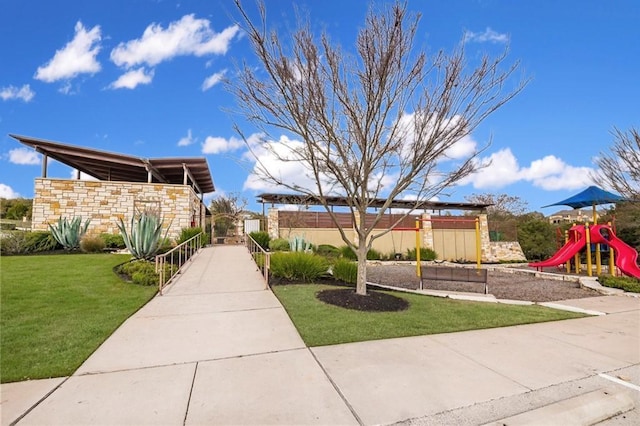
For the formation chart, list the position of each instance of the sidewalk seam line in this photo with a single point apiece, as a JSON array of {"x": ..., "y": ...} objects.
[
  {"x": 193, "y": 381},
  {"x": 335, "y": 386},
  {"x": 38, "y": 402}
]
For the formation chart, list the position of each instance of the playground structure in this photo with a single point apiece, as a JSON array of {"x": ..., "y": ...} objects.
[{"x": 581, "y": 237}]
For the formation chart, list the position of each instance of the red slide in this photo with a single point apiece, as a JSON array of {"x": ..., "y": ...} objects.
[
  {"x": 567, "y": 251},
  {"x": 626, "y": 256}
]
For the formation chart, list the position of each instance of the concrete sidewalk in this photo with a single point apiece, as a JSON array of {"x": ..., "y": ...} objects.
[{"x": 219, "y": 349}]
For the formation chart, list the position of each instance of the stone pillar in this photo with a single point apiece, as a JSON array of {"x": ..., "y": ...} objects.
[
  {"x": 427, "y": 234},
  {"x": 485, "y": 241},
  {"x": 273, "y": 227}
]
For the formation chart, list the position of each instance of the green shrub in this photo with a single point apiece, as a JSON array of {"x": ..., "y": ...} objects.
[
  {"x": 347, "y": 253},
  {"x": 188, "y": 233},
  {"x": 345, "y": 270},
  {"x": 4, "y": 226},
  {"x": 40, "y": 241},
  {"x": 91, "y": 244},
  {"x": 625, "y": 283},
  {"x": 327, "y": 250},
  {"x": 298, "y": 266},
  {"x": 262, "y": 238},
  {"x": 279, "y": 244},
  {"x": 69, "y": 233},
  {"x": 425, "y": 254},
  {"x": 113, "y": 241},
  {"x": 26, "y": 242},
  {"x": 140, "y": 272},
  {"x": 374, "y": 254}
]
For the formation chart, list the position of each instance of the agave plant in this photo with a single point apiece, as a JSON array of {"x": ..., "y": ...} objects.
[
  {"x": 144, "y": 237},
  {"x": 69, "y": 233}
]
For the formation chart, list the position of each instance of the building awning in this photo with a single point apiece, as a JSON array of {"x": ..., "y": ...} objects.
[
  {"x": 310, "y": 200},
  {"x": 109, "y": 166}
]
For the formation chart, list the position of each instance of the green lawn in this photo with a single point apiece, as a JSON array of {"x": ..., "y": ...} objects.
[
  {"x": 57, "y": 309},
  {"x": 321, "y": 324}
]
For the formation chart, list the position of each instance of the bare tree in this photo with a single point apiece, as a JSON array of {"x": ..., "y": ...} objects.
[
  {"x": 500, "y": 203},
  {"x": 619, "y": 168},
  {"x": 226, "y": 212},
  {"x": 386, "y": 113}
]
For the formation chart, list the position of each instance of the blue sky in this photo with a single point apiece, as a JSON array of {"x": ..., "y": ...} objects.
[{"x": 142, "y": 77}]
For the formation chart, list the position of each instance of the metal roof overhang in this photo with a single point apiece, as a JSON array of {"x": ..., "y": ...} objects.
[
  {"x": 375, "y": 203},
  {"x": 109, "y": 166}
]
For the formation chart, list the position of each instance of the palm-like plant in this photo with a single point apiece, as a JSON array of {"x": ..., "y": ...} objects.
[
  {"x": 69, "y": 233},
  {"x": 144, "y": 237}
]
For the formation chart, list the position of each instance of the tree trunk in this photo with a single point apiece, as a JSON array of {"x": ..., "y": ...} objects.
[{"x": 361, "y": 282}]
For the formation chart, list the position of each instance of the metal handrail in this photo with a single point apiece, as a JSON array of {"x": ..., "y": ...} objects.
[
  {"x": 261, "y": 257},
  {"x": 178, "y": 256}
]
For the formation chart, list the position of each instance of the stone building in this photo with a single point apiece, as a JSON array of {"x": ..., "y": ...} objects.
[{"x": 122, "y": 186}]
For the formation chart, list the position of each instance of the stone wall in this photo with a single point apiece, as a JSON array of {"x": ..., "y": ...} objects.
[
  {"x": 506, "y": 251},
  {"x": 105, "y": 202}
]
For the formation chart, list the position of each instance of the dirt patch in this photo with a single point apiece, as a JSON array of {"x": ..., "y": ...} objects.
[
  {"x": 502, "y": 285},
  {"x": 374, "y": 301}
]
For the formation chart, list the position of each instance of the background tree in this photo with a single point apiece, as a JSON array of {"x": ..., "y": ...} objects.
[
  {"x": 502, "y": 215},
  {"x": 619, "y": 168},
  {"x": 380, "y": 123},
  {"x": 226, "y": 211},
  {"x": 16, "y": 208},
  {"x": 537, "y": 237}
]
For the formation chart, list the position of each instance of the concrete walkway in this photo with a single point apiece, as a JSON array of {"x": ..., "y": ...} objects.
[{"x": 219, "y": 349}]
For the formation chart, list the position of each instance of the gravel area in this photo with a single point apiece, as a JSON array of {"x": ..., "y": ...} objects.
[{"x": 502, "y": 285}]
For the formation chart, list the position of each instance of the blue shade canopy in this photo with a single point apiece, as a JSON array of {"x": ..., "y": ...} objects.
[{"x": 591, "y": 196}]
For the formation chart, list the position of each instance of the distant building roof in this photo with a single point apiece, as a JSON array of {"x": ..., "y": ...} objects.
[
  {"x": 109, "y": 166},
  {"x": 376, "y": 202}
]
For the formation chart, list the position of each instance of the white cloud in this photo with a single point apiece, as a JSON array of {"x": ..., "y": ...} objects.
[
  {"x": 83, "y": 176},
  {"x": 212, "y": 80},
  {"x": 218, "y": 145},
  {"x": 23, "y": 93},
  {"x": 188, "y": 36},
  {"x": 77, "y": 57},
  {"x": 464, "y": 148},
  {"x": 7, "y": 192},
  {"x": 24, "y": 156},
  {"x": 551, "y": 173},
  {"x": 488, "y": 35},
  {"x": 133, "y": 78},
  {"x": 186, "y": 140},
  {"x": 548, "y": 173}
]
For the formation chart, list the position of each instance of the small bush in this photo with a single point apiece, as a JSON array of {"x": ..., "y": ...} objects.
[
  {"x": 374, "y": 254},
  {"x": 624, "y": 283},
  {"x": 27, "y": 242},
  {"x": 188, "y": 233},
  {"x": 345, "y": 270},
  {"x": 40, "y": 241},
  {"x": 279, "y": 244},
  {"x": 262, "y": 238},
  {"x": 425, "y": 254},
  {"x": 298, "y": 266},
  {"x": 347, "y": 253},
  {"x": 92, "y": 244},
  {"x": 113, "y": 241},
  {"x": 327, "y": 250},
  {"x": 141, "y": 272}
]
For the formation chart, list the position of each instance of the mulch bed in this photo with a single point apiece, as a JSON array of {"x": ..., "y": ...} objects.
[
  {"x": 502, "y": 285},
  {"x": 374, "y": 301}
]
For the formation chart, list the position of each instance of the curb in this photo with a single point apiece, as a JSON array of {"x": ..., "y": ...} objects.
[{"x": 586, "y": 409}]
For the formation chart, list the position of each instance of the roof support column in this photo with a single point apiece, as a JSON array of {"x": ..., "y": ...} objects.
[{"x": 44, "y": 165}]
